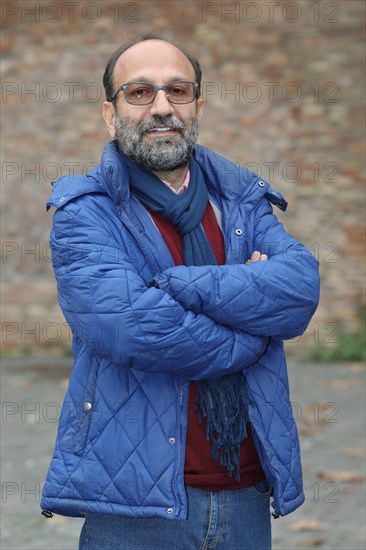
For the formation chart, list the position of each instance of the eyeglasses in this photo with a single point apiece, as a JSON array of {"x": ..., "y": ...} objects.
[{"x": 141, "y": 93}]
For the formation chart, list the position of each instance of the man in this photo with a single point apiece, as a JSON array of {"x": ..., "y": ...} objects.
[{"x": 179, "y": 285}]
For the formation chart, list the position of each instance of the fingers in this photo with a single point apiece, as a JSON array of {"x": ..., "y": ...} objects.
[{"x": 256, "y": 256}]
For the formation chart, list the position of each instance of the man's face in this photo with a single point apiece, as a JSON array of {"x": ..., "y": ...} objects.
[{"x": 134, "y": 126}]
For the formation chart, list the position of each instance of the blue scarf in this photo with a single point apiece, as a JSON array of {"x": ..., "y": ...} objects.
[{"x": 222, "y": 401}]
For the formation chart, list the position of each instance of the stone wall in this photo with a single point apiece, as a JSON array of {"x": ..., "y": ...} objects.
[{"x": 284, "y": 96}]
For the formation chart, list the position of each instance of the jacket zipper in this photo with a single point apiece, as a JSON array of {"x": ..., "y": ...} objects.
[
  {"x": 227, "y": 241},
  {"x": 275, "y": 513},
  {"x": 176, "y": 495}
]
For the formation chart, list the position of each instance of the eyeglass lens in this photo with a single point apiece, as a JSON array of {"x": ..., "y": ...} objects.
[{"x": 143, "y": 94}]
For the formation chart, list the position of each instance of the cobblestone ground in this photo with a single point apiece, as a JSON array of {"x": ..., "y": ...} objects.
[{"x": 328, "y": 403}]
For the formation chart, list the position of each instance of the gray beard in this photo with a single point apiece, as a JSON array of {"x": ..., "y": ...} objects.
[{"x": 161, "y": 154}]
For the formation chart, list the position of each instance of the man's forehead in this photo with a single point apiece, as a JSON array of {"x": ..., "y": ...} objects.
[{"x": 152, "y": 56}]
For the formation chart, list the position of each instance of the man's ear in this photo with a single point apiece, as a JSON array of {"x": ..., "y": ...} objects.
[
  {"x": 199, "y": 108},
  {"x": 109, "y": 115}
]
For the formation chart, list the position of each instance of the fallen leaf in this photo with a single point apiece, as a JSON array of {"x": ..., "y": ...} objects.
[
  {"x": 341, "y": 476},
  {"x": 309, "y": 432},
  {"x": 315, "y": 543},
  {"x": 320, "y": 414},
  {"x": 341, "y": 384},
  {"x": 57, "y": 519},
  {"x": 354, "y": 451},
  {"x": 356, "y": 367},
  {"x": 350, "y": 488},
  {"x": 307, "y": 525},
  {"x": 63, "y": 384},
  {"x": 308, "y": 419}
]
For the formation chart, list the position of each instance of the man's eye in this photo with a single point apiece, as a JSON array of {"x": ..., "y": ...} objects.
[
  {"x": 176, "y": 91},
  {"x": 139, "y": 92}
]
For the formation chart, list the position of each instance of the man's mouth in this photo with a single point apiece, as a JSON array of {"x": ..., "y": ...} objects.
[{"x": 161, "y": 130}]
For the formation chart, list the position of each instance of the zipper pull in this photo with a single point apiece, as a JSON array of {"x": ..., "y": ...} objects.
[{"x": 47, "y": 514}]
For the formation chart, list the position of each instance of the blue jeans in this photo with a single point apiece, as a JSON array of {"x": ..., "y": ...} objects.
[{"x": 238, "y": 519}]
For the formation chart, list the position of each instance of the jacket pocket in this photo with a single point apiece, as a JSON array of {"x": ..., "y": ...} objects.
[{"x": 87, "y": 410}]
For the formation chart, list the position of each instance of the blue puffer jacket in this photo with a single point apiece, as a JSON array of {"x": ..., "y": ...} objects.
[{"x": 121, "y": 439}]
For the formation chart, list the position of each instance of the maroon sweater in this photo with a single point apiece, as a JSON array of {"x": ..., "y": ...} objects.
[{"x": 200, "y": 470}]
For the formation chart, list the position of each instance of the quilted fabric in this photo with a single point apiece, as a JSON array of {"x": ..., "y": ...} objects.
[{"x": 121, "y": 439}]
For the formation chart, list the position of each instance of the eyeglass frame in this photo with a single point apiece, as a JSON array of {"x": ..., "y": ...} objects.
[{"x": 157, "y": 89}]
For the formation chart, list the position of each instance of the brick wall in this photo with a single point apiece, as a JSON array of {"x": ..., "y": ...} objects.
[{"x": 284, "y": 92}]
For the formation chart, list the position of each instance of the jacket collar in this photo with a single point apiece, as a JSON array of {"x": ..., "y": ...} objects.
[{"x": 224, "y": 179}]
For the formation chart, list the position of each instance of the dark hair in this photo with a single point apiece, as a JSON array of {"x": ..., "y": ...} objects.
[{"x": 108, "y": 73}]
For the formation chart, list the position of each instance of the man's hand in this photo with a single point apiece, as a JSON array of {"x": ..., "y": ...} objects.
[{"x": 256, "y": 256}]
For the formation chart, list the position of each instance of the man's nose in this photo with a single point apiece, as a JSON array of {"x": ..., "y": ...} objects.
[{"x": 161, "y": 105}]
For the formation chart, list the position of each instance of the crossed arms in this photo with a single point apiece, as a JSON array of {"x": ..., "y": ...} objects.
[{"x": 203, "y": 322}]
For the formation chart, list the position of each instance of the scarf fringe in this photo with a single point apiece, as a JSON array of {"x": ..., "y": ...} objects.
[{"x": 224, "y": 404}]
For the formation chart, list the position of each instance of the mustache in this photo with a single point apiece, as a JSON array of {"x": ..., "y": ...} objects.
[{"x": 157, "y": 120}]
